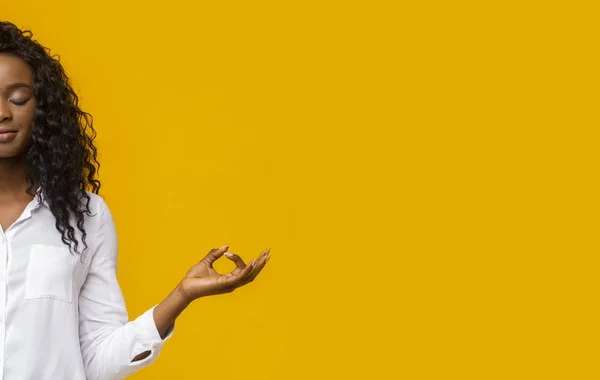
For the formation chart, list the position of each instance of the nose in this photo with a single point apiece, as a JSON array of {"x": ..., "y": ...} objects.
[{"x": 5, "y": 111}]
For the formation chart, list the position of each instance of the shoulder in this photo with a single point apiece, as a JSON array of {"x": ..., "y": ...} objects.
[
  {"x": 97, "y": 205},
  {"x": 100, "y": 225},
  {"x": 98, "y": 220}
]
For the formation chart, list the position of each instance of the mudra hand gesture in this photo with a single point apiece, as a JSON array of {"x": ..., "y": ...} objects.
[{"x": 203, "y": 280}]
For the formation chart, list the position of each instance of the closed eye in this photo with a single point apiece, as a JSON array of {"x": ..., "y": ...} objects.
[{"x": 16, "y": 103}]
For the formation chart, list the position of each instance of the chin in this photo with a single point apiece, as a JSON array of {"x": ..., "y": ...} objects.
[{"x": 10, "y": 153}]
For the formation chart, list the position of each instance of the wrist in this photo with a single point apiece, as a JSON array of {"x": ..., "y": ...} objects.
[{"x": 183, "y": 297}]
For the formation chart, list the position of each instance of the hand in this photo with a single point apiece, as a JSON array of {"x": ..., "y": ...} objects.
[{"x": 203, "y": 280}]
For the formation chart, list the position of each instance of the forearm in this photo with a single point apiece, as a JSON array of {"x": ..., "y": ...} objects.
[
  {"x": 168, "y": 310},
  {"x": 108, "y": 350},
  {"x": 164, "y": 315}
]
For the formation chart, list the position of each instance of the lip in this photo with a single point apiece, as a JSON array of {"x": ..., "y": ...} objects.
[{"x": 7, "y": 136}]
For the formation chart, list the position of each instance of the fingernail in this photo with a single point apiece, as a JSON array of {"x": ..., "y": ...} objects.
[
  {"x": 228, "y": 254},
  {"x": 225, "y": 246}
]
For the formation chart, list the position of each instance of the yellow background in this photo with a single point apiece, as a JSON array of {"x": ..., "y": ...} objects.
[{"x": 425, "y": 173}]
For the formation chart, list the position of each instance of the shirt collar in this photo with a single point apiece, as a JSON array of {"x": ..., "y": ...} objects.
[{"x": 40, "y": 194}]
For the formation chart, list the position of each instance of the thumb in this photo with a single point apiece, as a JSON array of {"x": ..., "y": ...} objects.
[{"x": 214, "y": 254}]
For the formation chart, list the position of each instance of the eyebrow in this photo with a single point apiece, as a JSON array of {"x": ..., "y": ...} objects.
[{"x": 18, "y": 85}]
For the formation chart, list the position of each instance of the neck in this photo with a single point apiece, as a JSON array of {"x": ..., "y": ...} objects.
[{"x": 12, "y": 176}]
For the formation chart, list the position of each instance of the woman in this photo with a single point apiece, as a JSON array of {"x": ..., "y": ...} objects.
[{"x": 62, "y": 313}]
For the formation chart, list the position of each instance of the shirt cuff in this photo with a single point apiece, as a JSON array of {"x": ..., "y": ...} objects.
[
  {"x": 147, "y": 332},
  {"x": 147, "y": 339}
]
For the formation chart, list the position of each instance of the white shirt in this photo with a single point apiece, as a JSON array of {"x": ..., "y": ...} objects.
[{"x": 62, "y": 315}]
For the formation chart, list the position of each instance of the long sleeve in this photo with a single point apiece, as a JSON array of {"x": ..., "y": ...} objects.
[{"x": 108, "y": 341}]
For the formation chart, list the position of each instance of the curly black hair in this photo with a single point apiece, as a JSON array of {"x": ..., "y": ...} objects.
[{"x": 61, "y": 156}]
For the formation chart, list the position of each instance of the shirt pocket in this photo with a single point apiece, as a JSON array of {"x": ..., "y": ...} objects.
[{"x": 50, "y": 273}]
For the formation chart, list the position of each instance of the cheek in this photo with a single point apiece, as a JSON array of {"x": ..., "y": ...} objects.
[
  {"x": 24, "y": 121},
  {"x": 26, "y": 117}
]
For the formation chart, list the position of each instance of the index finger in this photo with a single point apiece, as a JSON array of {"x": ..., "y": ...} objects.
[{"x": 239, "y": 277}]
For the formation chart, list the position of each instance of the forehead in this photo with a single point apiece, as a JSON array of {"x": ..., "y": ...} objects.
[{"x": 13, "y": 70}]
